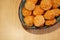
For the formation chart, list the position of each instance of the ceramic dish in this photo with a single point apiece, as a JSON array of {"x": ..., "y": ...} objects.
[{"x": 34, "y": 29}]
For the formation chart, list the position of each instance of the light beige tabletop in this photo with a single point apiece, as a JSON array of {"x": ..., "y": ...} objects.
[{"x": 11, "y": 28}]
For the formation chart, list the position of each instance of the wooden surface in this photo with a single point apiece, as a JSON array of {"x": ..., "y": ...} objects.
[{"x": 11, "y": 28}]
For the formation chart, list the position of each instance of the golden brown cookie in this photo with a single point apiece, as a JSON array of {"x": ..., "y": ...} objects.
[
  {"x": 39, "y": 20},
  {"x": 26, "y": 12},
  {"x": 56, "y": 3},
  {"x": 29, "y": 6},
  {"x": 29, "y": 20},
  {"x": 57, "y": 12},
  {"x": 33, "y": 1},
  {"x": 50, "y": 14},
  {"x": 46, "y": 4},
  {"x": 50, "y": 22},
  {"x": 38, "y": 10}
]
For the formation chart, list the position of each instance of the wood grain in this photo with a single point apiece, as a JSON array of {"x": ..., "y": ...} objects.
[{"x": 11, "y": 28}]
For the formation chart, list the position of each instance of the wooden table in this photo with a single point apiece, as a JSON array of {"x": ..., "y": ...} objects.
[{"x": 11, "y": 28}]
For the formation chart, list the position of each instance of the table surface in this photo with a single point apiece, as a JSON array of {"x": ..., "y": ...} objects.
[{"x": 11, "y": 28}]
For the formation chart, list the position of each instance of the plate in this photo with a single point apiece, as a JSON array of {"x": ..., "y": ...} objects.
[{"x": 34, "y": 29}]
